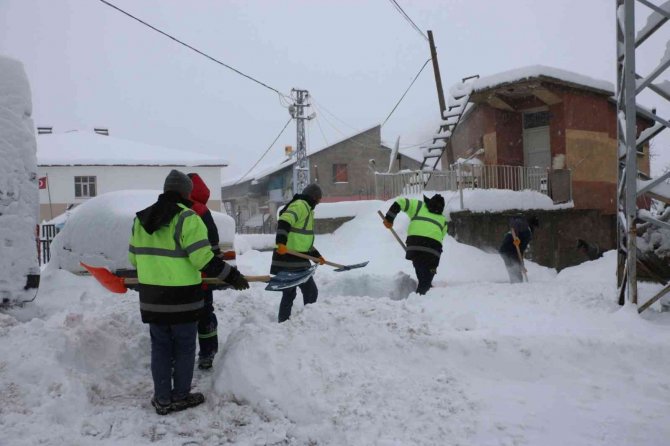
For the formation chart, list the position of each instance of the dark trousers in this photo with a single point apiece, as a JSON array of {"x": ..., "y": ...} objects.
[
  {"x": 309, "y": 294},
  {"x": 424, "y": 274},
  {"x": 513, "y": 266},
  {"x": 207, "y": 325},
  {"x": 172, "y": 359}
]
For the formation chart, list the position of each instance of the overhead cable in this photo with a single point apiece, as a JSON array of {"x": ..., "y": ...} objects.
[
  {"x": 407, "y": 17},
  {"x": 403, "y": 95},
  {"x": 192, "y": 48},
  {"x": 265, "y": 153}
]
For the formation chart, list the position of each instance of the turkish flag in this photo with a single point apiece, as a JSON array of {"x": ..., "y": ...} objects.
[{"x": 42, "y": 182}]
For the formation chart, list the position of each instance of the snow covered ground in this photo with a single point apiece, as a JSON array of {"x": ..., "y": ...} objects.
[{"x": 476, "y": 361}]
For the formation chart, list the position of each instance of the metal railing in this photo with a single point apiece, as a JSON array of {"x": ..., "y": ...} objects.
[{"x": 463, "y": 176}]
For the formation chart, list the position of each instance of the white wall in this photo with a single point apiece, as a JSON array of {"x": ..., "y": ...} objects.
[{"x": 113, "y": 178}]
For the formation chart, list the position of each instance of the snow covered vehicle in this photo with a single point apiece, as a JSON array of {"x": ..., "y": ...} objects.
[
  {"x": 19, "y": 199},
  {"x": 97, "y": 231}
]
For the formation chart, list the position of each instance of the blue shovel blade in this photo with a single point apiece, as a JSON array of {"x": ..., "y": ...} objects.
[
  {"x": 290, "y": 279},
  {"x": 350, "y": 267}
]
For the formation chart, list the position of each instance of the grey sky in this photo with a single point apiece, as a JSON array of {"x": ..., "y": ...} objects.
[{"x": 90, "y": 66}]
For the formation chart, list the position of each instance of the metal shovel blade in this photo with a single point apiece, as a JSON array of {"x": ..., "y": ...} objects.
[
  {"x": 290, "y": 279},
  {"x": 350, "y": 267}
]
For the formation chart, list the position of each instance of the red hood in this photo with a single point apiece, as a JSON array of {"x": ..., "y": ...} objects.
[{"x": 200, "y": 192}]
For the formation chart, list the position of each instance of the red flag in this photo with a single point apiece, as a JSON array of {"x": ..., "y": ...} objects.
[{"x": 42, "y": 182}]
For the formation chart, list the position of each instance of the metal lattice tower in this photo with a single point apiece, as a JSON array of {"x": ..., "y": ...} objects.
[
  {"x": 301, "y": 166},
  {"x": 629, "y": 85}
]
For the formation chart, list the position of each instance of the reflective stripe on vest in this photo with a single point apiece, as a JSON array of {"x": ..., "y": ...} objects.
[
  {"x": 301, "y": 236},
  {"x": 426, "y": 224},
  {"x": 171, "y": 255}
]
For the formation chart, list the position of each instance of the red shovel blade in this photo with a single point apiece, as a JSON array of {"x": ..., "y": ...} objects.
[{"x": 108, "y": 279}]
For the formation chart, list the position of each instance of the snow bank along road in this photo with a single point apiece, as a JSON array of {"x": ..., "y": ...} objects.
[{"x": 474, "y": 362}]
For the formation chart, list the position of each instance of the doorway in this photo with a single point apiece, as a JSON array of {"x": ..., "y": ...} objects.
[{"x": 536, "y": 141}]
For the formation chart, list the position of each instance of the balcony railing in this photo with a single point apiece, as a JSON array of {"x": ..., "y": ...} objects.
[{"x": 474, "y": 176}]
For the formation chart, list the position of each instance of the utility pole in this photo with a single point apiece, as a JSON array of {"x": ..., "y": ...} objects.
[
  {"x": 301, "y": 166},
  {"x": 440, "y": 93}
]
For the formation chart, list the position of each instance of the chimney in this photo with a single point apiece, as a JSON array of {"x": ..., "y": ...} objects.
[
  {"x": 101, "y": 131},
  {"x": 44, "y": 130}
]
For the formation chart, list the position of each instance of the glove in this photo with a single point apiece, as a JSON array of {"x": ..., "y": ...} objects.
[
  {"x": 388, "y": 224},
  {"x": 322, "y": 261},
  {"x": 516, "y": 242},
  {"x": 236, "y": 279},
  {"x": 240, "y": 283},
  {"x": 281, "y": 249}
]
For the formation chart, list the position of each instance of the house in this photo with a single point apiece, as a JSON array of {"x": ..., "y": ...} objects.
[
  {"x": 77, "y": 165},
  {"x": 552, "y": 119},
  {"x": 344, "y": 170}
]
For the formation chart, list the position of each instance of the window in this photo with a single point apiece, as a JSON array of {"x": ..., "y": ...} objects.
[
  {"x": 536, "y": 119},
  {"x": 84, "y": 187},
  {"x": 340, "y": 174}
]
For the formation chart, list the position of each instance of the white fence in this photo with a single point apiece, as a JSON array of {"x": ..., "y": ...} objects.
[{"x": 461, "y": 177}]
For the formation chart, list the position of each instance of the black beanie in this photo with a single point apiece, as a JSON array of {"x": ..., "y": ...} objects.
[
  {"x": 314, "y": 191},
  {"x": 178, "y": 182}
]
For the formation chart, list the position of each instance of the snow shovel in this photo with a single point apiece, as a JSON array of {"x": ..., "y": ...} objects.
[
  {"x": 516, "y": 242},
  {"x": 283, "y": 280},
  {"x": 338, "y": 268},
  {"x": 395, "y": 234}
]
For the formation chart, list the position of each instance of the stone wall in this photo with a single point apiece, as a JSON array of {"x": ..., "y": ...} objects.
[{"x": 555, "y": 241}]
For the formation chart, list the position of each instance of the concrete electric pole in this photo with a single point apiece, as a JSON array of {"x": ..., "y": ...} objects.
[{"x": 301, "y": 166}]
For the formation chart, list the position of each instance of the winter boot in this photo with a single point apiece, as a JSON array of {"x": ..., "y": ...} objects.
[
  {"x": 161, "y": 409},
  {"x": 205, "y": 362},
  {"x": 191, "y": 400}
]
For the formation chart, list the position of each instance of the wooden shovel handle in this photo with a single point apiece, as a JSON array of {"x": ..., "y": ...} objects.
[
  {"x": 313, "y": 259},
  {"x": 518, "y": 252},
  {"x": 395, "y": 234},
  {"x": 207, "y": 280}
]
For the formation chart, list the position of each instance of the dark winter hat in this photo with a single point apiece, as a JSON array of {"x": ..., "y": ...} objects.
[
  {"x": 178, "y": 182},
  {"x": 313, "y": 190},
  {"x": 435, "y": 204}
]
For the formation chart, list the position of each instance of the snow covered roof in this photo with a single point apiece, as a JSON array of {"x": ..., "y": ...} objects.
[
  {"x": 541, "y": 71},
  {"x": 84, "y": 148}
]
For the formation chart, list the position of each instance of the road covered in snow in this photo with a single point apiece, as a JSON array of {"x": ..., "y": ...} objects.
[{"x": 476, "y": 361}]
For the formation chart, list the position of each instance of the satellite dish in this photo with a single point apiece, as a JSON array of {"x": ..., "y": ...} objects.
[{"x": 394, "y": 154}]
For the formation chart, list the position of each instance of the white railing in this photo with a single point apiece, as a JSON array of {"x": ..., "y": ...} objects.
[{"x": 459, "y": 177}]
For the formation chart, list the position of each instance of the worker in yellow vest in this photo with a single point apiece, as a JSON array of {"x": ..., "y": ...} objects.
[
  {"x": 170, "y": 249},
  {"x": 426, "y": 231},
  {"x": 295, "y": 232}
]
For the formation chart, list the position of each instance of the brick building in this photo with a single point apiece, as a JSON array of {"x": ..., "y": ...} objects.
[{"x": 549, "y": 118}]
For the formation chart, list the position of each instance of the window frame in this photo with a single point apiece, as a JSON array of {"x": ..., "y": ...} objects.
[
  {"x": 85, "y": 186},
  {"x": 335, "y": 173}
]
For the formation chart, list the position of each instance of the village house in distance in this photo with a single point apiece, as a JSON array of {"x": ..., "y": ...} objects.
[
  {"x": 77, "y": 165},
  {"x": 344, "y": 169}
]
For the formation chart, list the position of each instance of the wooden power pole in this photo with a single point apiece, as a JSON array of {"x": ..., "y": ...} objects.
[{"x": 440, "y": 92}]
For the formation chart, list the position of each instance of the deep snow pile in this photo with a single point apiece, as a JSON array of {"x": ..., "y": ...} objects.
[
  {"x": 19, "y": 203},
  {"x": 477, "y": 361},
  {"x": 97, "y": 231}
]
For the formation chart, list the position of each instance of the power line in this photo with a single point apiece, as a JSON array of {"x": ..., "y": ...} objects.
[
  {"x": 192, "y": 48},
  {"x": 403, "y": 95},
  {"x": 265, "y": 153},
  {"x": 407, "y": 17}
]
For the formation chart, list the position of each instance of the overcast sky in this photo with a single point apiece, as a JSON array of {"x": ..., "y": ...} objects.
[{"x": 89, "y": 65}]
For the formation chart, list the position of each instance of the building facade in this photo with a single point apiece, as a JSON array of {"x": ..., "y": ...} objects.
[
  {"x": 553, "y": 119},
  {"x": 76, "y": 166},
  {"x": 344, "y": 170}
]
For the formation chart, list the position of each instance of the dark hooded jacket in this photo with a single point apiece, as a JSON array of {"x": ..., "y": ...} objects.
[{"x": 524, "y": 231}]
